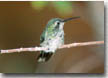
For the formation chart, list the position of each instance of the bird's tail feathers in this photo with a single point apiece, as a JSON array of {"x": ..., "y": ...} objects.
[{"x": 43, "y": 57}]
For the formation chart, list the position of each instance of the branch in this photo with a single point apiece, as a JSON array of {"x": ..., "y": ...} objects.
[
  {"x": 42, "y": 48},
  {"x": 82, "y": 44}
]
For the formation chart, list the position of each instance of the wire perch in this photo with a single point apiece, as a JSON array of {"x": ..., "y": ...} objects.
[{"x": 42, "y": 48}]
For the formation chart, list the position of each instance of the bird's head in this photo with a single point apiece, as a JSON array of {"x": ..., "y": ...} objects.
[{"x": 57, "y": 23}]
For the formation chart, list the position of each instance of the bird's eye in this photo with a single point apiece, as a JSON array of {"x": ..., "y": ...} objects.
[{"x": 57, "y": 23}]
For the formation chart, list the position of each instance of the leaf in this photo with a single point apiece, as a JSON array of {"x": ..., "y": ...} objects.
[
  {"x": 39, "y": 5},
  {"x": 63, "y": 7}
]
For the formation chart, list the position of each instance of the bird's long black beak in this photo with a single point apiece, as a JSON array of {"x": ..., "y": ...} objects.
[{"x": 65, "y": 20}]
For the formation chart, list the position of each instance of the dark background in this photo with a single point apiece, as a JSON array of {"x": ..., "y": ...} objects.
[{"x": 21, "y": 24}]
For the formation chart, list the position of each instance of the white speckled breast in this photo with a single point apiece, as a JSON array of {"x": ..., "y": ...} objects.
[{"x": 54, "y": 43}]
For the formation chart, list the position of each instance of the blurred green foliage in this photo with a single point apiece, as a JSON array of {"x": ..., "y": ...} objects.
[
  {"x": 39, "y": 5},
  {"x": 62, "y": 7}
]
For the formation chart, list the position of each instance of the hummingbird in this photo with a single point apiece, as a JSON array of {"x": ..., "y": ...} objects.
[{"x": 52, "y": 38}]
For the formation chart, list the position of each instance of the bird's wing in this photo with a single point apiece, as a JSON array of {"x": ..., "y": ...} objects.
[{"x": 42, "y": 37}]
